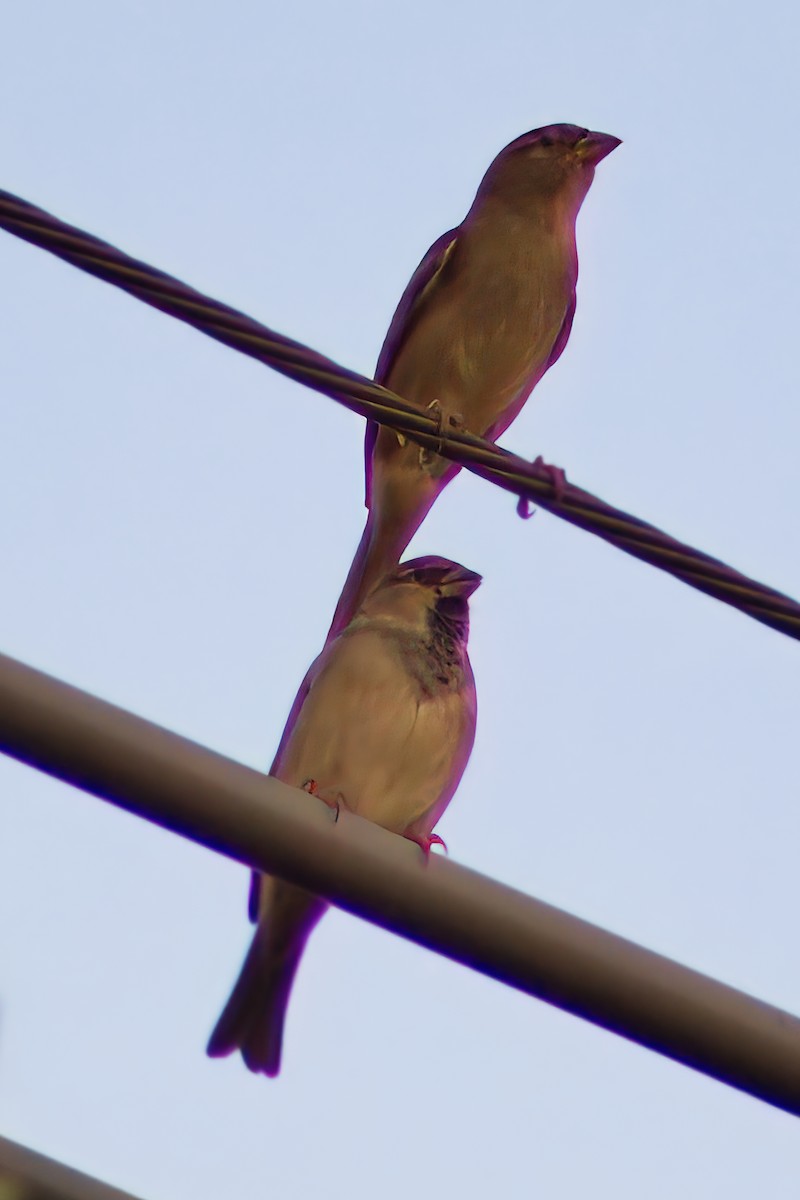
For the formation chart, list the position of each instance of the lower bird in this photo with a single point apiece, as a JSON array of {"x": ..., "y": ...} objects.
[
  {"x": 486, "y": 313},
  {"x": 383, "y": 724}
]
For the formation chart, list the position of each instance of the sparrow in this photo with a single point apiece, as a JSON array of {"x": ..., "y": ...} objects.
[
  {"x": 383, "y": 725},
  {"x": 486, "y": 313}
]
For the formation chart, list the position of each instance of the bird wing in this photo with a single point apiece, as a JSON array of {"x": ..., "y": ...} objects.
[
  {"x": 253, "y": 900},
  {"x": 511, "y": 411},
  {"x": 563, "y": 335},
  {"x": 401, "y": 324},
  {"x": 294, "y": 711},
  {"x": 358, "y": 711}
]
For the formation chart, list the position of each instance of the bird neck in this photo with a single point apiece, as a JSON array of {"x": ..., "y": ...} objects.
[
  {"x": 520, "y": 210},
  {"x": 446, "y": 649}
]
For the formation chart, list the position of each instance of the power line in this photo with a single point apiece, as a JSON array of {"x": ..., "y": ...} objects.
[
  {"x": 368, "y": 398},
  {"x": 384, "y": 878}
]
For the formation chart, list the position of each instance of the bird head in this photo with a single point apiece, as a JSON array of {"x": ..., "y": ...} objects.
[
  {"x": 439, "y": 575},
  {"x": 425, "y": 588},
  {"x": 554, "y": 161}
]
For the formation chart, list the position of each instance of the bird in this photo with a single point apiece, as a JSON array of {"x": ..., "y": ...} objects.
[
  {"x": 487, "y": 311},
  {"x": 383, "y": 725}
]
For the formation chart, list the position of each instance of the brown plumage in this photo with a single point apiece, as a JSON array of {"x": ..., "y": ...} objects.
[
  {"x": 486, "y": 313},
  {"x": 383, "y": 724}
]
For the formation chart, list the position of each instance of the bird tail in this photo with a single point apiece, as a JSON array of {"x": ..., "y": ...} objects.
[
  {"x": 393, "y": 519},
  {"x": 253, "y": 1019},
  {"x": 370, "y": 562}
]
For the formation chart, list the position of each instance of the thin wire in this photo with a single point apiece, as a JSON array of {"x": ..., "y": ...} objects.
[{"x": 528, "y": 481}]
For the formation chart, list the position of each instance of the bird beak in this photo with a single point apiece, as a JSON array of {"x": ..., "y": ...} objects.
[
  {"x": 435, "y": 572},
  {"x": 596, "y": 146},
  {"x": 461, "y": 582}
]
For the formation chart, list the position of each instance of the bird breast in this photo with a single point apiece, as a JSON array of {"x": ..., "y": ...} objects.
[
  {"x": 371, "y": 733},
  {"x": 485, "y": 332}
]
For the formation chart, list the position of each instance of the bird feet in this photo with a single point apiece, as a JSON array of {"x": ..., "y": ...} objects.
[
  {"x": 427, "y": 841},
  {"x": 334, "y": 800},
  {"x": 555, "y": 476},
  {"x": 443, "y": 417}
]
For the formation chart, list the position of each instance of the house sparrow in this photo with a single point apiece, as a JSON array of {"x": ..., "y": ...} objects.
[
  {"x": 383, "y": 725},
  {"x": 485, "y": 314}
]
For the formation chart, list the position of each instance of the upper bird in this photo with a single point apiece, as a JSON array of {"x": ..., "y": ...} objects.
[
  {"x": 485, "y": 314},
  {"x": 383, "y": 724}
]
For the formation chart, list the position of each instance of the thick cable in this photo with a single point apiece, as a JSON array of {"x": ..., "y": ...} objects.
[
  {"x": 26, "y": 1175},
  {"x": 384, "y": 878},
  {"x": 525, "y": 480}
]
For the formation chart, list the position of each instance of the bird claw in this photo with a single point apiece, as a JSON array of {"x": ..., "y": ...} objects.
[
  {"x": 555, "y": 476},
  {"x": 456, "y": 420},
  {"x": 335, "y": 803},
  {"x": 427, "y": 841}
]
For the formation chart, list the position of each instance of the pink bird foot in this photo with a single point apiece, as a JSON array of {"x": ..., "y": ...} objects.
[{"x": 427, "y": 842}]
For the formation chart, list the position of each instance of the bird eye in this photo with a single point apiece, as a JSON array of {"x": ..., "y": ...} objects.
[{"x": 544, "y": 140}]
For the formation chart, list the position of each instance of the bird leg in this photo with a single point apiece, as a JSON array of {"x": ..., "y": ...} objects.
[{"x": 555, "y": 476}]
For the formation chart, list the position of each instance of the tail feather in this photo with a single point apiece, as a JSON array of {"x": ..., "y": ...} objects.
[
  {"x": 253, "y": 1019},
  {"x": 399, "y": 504},
  {"x": 370, "y": 563}
]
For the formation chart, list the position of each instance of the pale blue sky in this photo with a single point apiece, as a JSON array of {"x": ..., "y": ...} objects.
[{"x": 177, "y": 522}]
